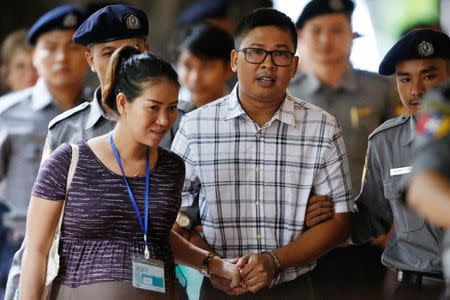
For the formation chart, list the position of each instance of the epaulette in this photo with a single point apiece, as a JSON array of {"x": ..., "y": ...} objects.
[
  {"x": 389, "y": 124},
  {"x": 9, "y": 100},
  {"x": 68, "y": 113}
]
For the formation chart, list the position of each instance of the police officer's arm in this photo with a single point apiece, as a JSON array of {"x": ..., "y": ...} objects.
[{"x": 373, "y": 214}]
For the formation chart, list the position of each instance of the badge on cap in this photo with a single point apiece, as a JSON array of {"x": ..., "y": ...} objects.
[
  {"x": 70, "y": 20},
  {"x": 132, "y": 22},
  {"x": 336, "y": 5},
  {"x": 425, "y": 49}
]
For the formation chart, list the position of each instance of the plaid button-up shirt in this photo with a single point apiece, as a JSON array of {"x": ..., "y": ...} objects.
[{"x": 253, "y": 182}]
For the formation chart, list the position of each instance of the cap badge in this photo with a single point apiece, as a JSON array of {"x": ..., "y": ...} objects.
[
  {"x": 132, "y": 22},
  {"x": 336, "y": 5},
  {"x": 425, "y": 49},
  {"x": 70, "y": 20}
]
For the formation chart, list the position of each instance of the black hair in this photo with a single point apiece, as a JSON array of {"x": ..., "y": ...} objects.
[
  {"x": 264, "y": 17},
  {"x": 128, "y": 68},
  {"x": 208, "y": 42}
]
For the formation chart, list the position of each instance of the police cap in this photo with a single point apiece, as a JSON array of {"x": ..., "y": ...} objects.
[
  {"x": 201, "y": 10},
  {"x": 416, "y": 44},
  {"x": 321, "y": 7},
  {"x": 113, "y": 22},
  {"x": 60, "y": 18}
]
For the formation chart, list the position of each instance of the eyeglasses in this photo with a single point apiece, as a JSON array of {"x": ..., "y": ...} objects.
[{"x": 280, "y": 58}]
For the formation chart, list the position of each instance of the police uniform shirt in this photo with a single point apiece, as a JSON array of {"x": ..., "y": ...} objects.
[
  {"x": 361, "y": 102},
  {"x": 80, "y": 123},
  {"x": 415, "y": 244},
  {"x": 24, "y": 118}
]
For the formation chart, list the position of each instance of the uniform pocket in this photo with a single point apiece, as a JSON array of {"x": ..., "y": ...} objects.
[{"x": 405, "y": 219}]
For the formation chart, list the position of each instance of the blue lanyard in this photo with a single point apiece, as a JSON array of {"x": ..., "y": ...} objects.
[{"x": 144, "y": 225}]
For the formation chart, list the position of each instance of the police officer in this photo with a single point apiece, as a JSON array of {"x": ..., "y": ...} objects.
[
  {"x": 420, "y": 61},
  {"x": 360, "y": 101},
  {"x": 24, "y": 115},
  {"x": 102, "y": 33}
]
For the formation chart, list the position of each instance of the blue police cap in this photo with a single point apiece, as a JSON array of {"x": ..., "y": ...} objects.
[
  {"x": 60, "y": 18},
  {"x": 113, "y": 22},
  {"x": 322, "y": 7},
  {"x": 416, "y": 44},
  {"x": 201, "y": 10}
]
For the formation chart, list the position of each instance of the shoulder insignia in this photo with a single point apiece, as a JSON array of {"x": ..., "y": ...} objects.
[
  {"x": 9, "y": 100},
  {"x": 389, "y": 124},
  {"x": 68, "y": 113}
]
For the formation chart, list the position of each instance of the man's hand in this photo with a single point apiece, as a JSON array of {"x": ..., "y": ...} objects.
[
  {"x": 318, "y": 209},
  {"x": 257, "y": 271},
  {"x": 225, "y": 276}
]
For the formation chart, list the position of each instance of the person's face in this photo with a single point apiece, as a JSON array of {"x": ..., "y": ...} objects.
[
  {"x": 326, "y": 39},
  {"x": 204, "y": 78},
  {"x": 98, "y": 55},
  {"x": 264, "y": 82},
  {"x": 416, "y": 77},
  {"x": 153, "y": 113},
  {"x": 58, "y": 60},
  {"x": 20, "y": 71}
]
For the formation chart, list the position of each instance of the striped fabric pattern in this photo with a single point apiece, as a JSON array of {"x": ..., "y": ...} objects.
[
  {"x": 253, "y": 182},
  {"x": 100, "y": 231}
]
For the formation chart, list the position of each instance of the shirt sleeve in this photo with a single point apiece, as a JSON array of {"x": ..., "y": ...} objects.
[
  {"x": 181, "y": 146},
  {"x": 50, "y": 183},
  {"x": 4, "y": 151},
  {"x": 373, "y": 214},
  {"x": 333, "y": 177}
]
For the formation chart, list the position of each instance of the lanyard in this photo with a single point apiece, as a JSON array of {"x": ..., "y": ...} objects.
[{"x": 144, "y": 225}]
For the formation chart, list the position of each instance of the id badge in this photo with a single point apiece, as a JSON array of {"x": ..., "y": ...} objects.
[{"x": 148, "y": 274}]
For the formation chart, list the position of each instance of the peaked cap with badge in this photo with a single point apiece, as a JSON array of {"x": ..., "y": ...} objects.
[
  {"x": 201, "y": 10},
  {"x": 416, "y": 44},
  {"x": 316, "y": 8},
  {"x": 113, "y": 22},
  {"x": 66, "y": 17}
]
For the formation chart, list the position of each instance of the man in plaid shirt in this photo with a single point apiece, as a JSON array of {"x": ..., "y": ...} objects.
[{"x": 254, "y": 157}]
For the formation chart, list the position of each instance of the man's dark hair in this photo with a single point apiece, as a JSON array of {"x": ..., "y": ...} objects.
[
  {"x": 264, "y": 17},
  {"x": 208, "y": 42}
]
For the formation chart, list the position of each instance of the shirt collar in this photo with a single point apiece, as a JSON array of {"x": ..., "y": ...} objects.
[
  {"x": 284, "y": 114},
  {"x": 40, "y": 96},
  {"x": 96, "y": 112},
  {"x": 409, "y": 131}
]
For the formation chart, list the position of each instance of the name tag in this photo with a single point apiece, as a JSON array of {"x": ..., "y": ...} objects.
[
  {"x": 149, "y": 275},
  {"x": 400, "y": 171}
]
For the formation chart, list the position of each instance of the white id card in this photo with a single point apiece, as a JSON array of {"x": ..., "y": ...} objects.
[{"x": 148, "y": 274}]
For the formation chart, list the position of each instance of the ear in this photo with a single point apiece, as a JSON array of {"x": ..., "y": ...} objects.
[
  {"x": 121, "y": 103},
  {"x": 147, "y": 47},
  {"x": 295, "y": 66},
  {"x": 90, "y": 59},
  {"x": 233, "y": 60}
]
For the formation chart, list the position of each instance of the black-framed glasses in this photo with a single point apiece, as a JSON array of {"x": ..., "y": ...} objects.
[{"x": 280, "y": 58}]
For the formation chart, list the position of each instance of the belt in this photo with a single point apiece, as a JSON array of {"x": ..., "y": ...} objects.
[{"x": 420, "y": 279}]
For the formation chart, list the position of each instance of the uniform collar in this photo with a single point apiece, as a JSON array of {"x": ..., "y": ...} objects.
[
  {"x": 409, "y": 131},
  {"x": 96, "y": 112},
  {"x": 40, "y": 96},
  {"x": 284, "y": 114},
  {"x": 310, "y": 83}
]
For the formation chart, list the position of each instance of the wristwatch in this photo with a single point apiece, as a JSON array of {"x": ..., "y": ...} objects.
[
  {"x": 183, "y": 220},
  {"x": 205, "y": 264}
]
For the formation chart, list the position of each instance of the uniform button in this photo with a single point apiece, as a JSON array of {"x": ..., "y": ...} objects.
[
  {"x": 258, "y": 135},
  {"x": 257, "y": 203},
  {"x": 258, "y": 236},
  {"x": 257, "y": 169}
]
